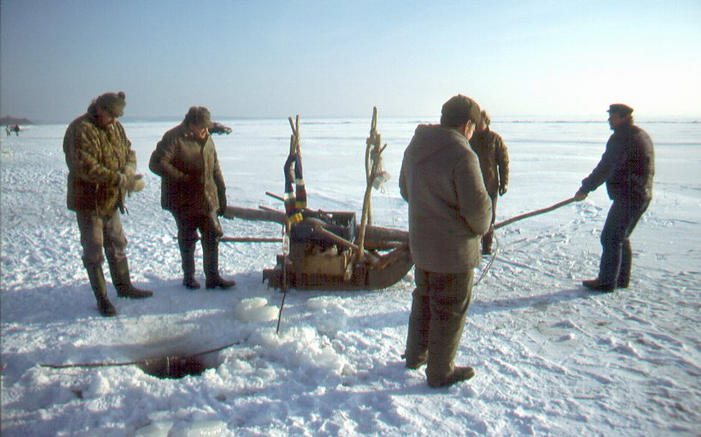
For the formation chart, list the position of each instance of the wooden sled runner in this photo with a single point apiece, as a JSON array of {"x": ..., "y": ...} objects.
[{"x": 329, "y": 250}]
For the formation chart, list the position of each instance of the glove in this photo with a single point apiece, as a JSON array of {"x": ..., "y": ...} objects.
[
  {"x": 502, "y": 189},
  {"x": 123, "y": 182},
  {"x": 135, "y": 183},
  {"x": 580, "y": 195},
  {"x": 222, "y": 207}
]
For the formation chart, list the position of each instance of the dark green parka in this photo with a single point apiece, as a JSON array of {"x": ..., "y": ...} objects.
[{"x": 191, "y": 179}]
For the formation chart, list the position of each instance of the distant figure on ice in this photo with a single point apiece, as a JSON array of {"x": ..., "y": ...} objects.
[
  {"x": 627, "y": 166},
  {"x": 8, "y": 130},
  {"x": 449, "y": 211},
  {"x": 101, "y": 170},
  {"x": 15, "y": 129},
  {"x": 494, "y": 163},
  {"x": 193, "y": 190}
]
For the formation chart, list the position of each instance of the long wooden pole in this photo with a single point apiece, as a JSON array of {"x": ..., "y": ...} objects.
[
  {"x": 533, "y": 213},
  {"x": 372, "y": 143}
]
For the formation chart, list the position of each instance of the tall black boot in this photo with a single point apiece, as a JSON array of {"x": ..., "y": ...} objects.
[
  {"x": 210, "y": 255},
  {"x": 97, "y": 282},
  {"x": 187, "y": 255},
  {"x": 122, "y": 282},
  {"x": 626, "y": 265},
  {"x": 487, "y": 242}
]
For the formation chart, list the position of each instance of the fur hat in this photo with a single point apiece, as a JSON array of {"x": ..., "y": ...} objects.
[{"x": 113, "y": 103}]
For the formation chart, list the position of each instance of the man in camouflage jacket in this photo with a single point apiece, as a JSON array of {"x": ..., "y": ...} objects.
[
  {"x": 193, "y": 190},
  {"x": 494, "y": 163},
  {"x": 101, "y": 170}
]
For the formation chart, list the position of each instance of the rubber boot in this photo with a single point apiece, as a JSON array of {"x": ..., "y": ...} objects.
[
  {"x": 187, "y": 255},
  {"x": 122, "y": 282},
  {"x": 626, "y": 264},
  {"x": 99, "y": 287},
  {"x": 210, "y": 255},
  {"x": 597, "y": 285},
  {"x": 487, "y": 242},
  {"x": 459, "y": 374}
]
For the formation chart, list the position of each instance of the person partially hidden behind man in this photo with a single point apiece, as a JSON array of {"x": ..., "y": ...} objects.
[
  {"x": 193, "y": 190},
  {"x": 449, "y": 211},
  {"x": 101, "y": 171},
  {"x": 627, "y": 166},
  {"x": 494, "y": 163}
]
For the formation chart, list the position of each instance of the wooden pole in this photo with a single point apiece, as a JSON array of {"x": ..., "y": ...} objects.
[
  {"x": 372, "y": 144},
  {"x": 250, "y": 240},
  {"x": 532, "y": 213},
  {"x": 262, "y": 214},
  {"x": 274, "y": 196},
  {"x": 375, "y": 236}
]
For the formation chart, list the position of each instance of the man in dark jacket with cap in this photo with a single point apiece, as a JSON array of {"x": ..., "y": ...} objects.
[
  {"x": 101, "y": 170},
  {"x": 449, "y": 211},
  {"x": 193, "y": 190},
  {"x": 627, "y": 166}
]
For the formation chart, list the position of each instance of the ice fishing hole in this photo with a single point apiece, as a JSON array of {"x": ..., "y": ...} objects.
[{"x": 176, "y": 366}]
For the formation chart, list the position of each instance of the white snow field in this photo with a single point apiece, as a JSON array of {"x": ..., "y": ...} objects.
[{"x": 550, "y": 357}]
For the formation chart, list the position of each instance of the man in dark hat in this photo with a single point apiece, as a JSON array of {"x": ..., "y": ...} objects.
[
  {"x": 449, "y": 211},
  {"x": 193, "y": 190},
  {"x": 627, "y": 166},
  {"x": 101, "y": 171}
]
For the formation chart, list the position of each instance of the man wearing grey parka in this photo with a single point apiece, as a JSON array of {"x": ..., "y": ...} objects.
[{"x": 449, "y": 211}]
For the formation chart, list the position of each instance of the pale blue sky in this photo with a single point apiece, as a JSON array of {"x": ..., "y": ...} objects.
[{"x": 339, "y": 58}]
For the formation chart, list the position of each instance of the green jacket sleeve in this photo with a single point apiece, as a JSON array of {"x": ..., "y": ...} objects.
[
  {"x": 502, "y": 162},
  {"x": 161, "y": 162}
]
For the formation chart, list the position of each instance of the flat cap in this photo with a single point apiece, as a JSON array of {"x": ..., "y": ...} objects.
[
  {"x": 620, "y": 109},
  {"x": 460, "y": 109}
]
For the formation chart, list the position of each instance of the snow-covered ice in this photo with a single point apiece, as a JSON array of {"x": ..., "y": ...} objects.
[{"x": 551, "y": 358}]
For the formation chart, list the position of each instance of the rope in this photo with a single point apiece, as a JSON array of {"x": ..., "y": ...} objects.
[
  {"x": 515, "y": 219},
  {"x": 283, "y": 285},
  {"x": 491, "y": 261}
]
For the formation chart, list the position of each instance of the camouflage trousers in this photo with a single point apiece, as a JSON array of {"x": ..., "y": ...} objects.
[
  {"x": 438, "y": 312},
  {"x": 98, "y": 232}
]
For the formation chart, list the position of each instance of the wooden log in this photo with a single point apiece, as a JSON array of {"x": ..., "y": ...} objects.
[
  {"x": 244, "y": 239},
  {"x": 374, "y": 235},
  {"x": 250, "y": 240},
  {"x": 264, "y": 214}
]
